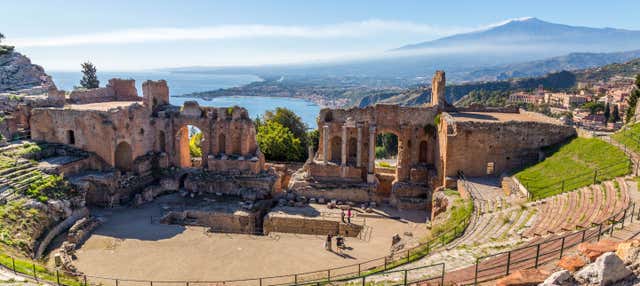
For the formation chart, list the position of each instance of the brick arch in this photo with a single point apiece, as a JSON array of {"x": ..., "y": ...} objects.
[
  {"x": 336, "y": 149},
  {"x": 181, "y": 144},
  {"x": 123, "y": 156}
]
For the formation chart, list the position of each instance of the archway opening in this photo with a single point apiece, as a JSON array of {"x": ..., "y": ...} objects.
[
  {"x": 123, "y": 157},
  {"x": 353, "y": 151},
  {"x": 190, "y": 142},
  {"x": 162, "y": 145},
  {"x": 424, "y": 152},
  {"x": 222, "y": 144},
  {"x": 336, "y": 150},
  {"x": 71, "y": 137},
  {"x": 386, "y": 150}
]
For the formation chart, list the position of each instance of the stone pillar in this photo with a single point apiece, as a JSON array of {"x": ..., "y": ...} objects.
[
  {"x": 325, "y": 143},
  {"x": 372, "y": 154},
  {"x": 344, "y": 146},
  {"x": 359, "y": 146},
  {"x": 402, "y": 166}
]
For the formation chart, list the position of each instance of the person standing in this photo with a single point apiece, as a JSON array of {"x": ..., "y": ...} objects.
[
  {"x": 327, "y": 243},
  {"x": 342, "y": 215},
  {"x": 348, "y": 215}
]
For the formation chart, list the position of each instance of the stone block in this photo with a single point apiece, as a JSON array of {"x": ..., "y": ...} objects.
[
  {"x": 571, "y": 263},
  {"x": 523, "y": 277},
  {"x": 593, "y": 250}
]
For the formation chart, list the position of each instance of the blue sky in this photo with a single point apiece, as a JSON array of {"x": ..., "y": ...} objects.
[{"x": 135, "y": 35}]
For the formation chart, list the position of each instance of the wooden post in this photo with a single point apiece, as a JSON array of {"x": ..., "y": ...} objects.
[
  {"x": 35, "y": 275},
  {"x": 13, "y": 262},
  {"x": 562, "y": 246},
  {"x": 58, "y": 277}
]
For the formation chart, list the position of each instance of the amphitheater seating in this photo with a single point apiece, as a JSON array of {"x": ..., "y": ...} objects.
[
  {"x": 580, "y": 208},
  {"x": 499, "y": 219}
]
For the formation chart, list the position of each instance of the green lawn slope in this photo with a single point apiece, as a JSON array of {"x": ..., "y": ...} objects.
[
  {"x": 629, "y": 137},
  {"x": 578, "y": 163}
]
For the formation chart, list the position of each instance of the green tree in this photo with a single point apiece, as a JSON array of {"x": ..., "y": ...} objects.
[
  {"x": 291, "y": 121},
  {"x": 386, "y": 145},
  {"x": 593, "y": 107},
  {"x": 615, "y": 114},
  {"x": 632, "y": 100},
  {"x": 313, "y": 138},
  {"x": 89, "y": 76},
  {"x": 607, "y": 112},
  {"x": 1, "y": 37},
  {"x": 277, "y": 142},
  {"x": 195, "y": 145}
]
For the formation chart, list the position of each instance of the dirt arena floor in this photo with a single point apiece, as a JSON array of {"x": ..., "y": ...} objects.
[{"x": 130, "y": 245}]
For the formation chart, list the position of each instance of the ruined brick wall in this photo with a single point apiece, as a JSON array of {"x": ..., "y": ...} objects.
[
  {"x": 229, "y": 137},
  {"x": 83, "y": 96},
  {"x": 296, "y": 224},
  {"x": 155, "y": 93},
  {"x": 473, "y": 146},
  {"x": 124, "y": 89},
  {"x": 115, "y": 90},
  {"x": 96, "y": 131},
  {"x": 414, "y": 127}
]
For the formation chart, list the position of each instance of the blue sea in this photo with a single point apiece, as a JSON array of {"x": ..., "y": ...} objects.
[{"x": 185, "y": 83}]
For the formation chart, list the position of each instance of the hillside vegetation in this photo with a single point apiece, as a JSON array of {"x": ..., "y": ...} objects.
[
  {"x": 575, "y": 164},
  {"x": 629, "y": 137}
]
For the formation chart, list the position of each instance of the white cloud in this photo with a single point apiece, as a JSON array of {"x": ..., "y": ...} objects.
[{"x": 222, "y": 32}]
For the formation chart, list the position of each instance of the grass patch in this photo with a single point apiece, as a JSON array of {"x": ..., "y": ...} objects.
[
  {"x": 27, "y": 267},
  {"x": 629, "y": 137},
  {"x": 459, "y": 213},
  {"x": 383, "y": 164},
  {"x": 572, "y": 166}
]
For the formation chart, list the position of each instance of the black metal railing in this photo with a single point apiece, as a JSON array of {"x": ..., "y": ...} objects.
[{"x": 532, "y": 256}]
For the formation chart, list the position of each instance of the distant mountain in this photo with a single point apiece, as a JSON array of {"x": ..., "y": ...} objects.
[
  {"x": 517, "y": 48},
  {"x": 573, "y": 61},
  {"x": 532, "y": 34}
]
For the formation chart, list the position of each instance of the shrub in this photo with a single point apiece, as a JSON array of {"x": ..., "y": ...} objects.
[{"x": 278, "y": 142}]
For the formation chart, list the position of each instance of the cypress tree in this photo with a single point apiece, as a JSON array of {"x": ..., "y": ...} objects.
[{"x": 89, "y": 76}]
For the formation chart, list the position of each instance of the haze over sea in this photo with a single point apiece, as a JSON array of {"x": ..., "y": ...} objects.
[{"x": 185, "y": 83}]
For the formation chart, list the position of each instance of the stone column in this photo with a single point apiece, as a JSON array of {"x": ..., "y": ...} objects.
[
  {"x": 359, "y": 146},
  {"x": 325, "y": 143},
  {"x": 372, "y": 154},
  {"x": 344, "y": 145},
  {"x": 402, "y": 166}
]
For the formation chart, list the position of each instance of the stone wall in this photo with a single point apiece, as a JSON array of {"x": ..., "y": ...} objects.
[
  {"x": 274, "y": 222},
  {"x": 83, "y": 96},
  {"x": 97, "y": 131},
  {"x": 476, "y": 147},
  {"x": 115, "y": 90},
  {"x": 119, "y": 131},
  {"x": 237, "y": 222}
]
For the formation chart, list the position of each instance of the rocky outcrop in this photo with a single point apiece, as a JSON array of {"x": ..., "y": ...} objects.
[
  {"x": 560, "y": 278},
  {"x": 607, "y": 270},
  {"x": 18, "y": 73},
  {"x": 594, "y": 250}
]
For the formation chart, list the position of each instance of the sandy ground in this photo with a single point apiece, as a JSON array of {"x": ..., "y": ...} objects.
[{"x": 130, "y": 246}]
